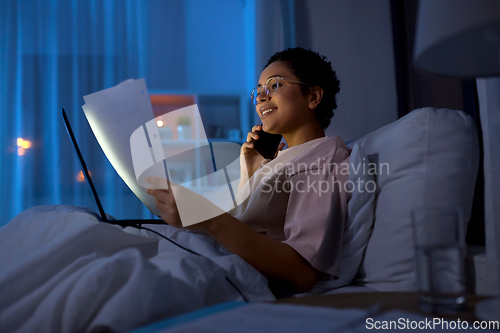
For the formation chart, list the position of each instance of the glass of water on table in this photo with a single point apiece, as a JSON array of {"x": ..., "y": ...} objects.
[{"x": 438, "y": 234}]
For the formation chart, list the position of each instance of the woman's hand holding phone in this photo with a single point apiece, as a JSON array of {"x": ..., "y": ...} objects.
[{"x": 253, "y": 159}]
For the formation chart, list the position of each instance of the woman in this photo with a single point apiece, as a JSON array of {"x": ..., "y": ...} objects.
[{"x": 288, "y": 229}]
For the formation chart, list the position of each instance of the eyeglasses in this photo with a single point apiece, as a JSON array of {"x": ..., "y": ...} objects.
[{"x": 272, "y": 86}]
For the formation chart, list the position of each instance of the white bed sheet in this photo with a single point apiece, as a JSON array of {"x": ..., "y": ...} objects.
[{"x": 63, "y": 271}]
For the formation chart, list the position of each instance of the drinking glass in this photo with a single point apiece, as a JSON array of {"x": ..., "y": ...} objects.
[{"x": 439, "y": 239}]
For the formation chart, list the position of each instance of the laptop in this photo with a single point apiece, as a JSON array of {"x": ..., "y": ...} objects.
[{"x": 124, "y": 223}]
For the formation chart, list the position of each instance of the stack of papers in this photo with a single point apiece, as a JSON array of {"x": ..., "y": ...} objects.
[
  {"x": 204, "y": 177},
  {"x": 114, "y": 114}
]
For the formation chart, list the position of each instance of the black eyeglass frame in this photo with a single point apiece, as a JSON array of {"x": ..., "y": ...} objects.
[{"x": 264, "y": 87}]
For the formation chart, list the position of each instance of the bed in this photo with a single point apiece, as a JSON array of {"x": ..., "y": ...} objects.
[{"x": 64, "y": 271}]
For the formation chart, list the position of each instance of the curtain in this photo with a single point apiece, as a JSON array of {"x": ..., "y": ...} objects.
[
  {"x": 489, "y": 105},
  {"x": 269, "y": 23},
  {"x": 53, "y": 52}
]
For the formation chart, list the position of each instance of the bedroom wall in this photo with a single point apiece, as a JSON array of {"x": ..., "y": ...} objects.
[
  {"x": 215, "y": 45},
  {"x": 356, "y": 37},
  {"x": 195, "y": 45}
]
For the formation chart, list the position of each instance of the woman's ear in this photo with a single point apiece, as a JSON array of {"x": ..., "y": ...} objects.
[{"x": 315, "y": 96}]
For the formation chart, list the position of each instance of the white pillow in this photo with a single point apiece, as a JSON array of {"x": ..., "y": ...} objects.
[
  {"x": 359, "y": 220},
  {"x": 433, "y": 158}
]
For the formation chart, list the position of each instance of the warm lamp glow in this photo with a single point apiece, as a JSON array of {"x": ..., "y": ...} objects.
[
  {"x": 25, "y": 144},
  {"x": 21, "y": 151},
  {"x": 80, "y": 177},
  {"x": 159, "y": 123}
]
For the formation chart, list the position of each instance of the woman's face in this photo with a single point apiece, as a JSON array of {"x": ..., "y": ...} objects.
[{"x": 289, "y": 107}]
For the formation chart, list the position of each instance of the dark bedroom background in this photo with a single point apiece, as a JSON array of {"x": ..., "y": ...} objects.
[{"x": 56, "y": 51}]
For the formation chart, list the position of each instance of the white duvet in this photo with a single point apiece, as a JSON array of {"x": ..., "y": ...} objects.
[{"x": 63, "y": 271}]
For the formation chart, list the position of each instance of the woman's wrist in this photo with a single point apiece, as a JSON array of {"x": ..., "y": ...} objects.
[{"x": 209, "y": 226}]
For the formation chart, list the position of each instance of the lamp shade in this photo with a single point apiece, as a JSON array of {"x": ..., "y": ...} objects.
[{"x": 459, "y": 38}]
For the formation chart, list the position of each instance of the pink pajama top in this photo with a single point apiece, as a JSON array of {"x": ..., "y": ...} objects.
[{"x": 299, "y": 199}]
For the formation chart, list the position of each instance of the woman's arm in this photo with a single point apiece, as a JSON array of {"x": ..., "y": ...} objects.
[{"x": 276, "y": 260}]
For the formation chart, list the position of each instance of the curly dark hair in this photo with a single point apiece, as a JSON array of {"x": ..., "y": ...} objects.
[{"x": 314, "y": 70}]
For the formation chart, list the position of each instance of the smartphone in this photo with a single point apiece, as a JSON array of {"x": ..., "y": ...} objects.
[{"x": 267, "y": 144}]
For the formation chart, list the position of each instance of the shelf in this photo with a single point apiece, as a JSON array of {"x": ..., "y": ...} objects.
[
  {"x": 197, "y": 141},
  {"x": 220, "y": 112}
]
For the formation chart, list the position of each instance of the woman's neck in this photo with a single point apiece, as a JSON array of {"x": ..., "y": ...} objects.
[{"x": 305, "y": 133}]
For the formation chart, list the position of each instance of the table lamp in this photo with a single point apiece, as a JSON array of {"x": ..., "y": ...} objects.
[
  {"x": 461, "y": 39},
  {"x": 458, "y": 38}
]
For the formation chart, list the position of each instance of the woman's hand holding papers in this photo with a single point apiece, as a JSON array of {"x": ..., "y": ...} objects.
[
  {"x": 165, "y": 201},
  {"x": 181, "y": 207}
]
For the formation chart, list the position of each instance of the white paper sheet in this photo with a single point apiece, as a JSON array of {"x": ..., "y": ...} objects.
[
  {"x": 125, "y": 126},
  {"x": 114, "y": 114}
]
